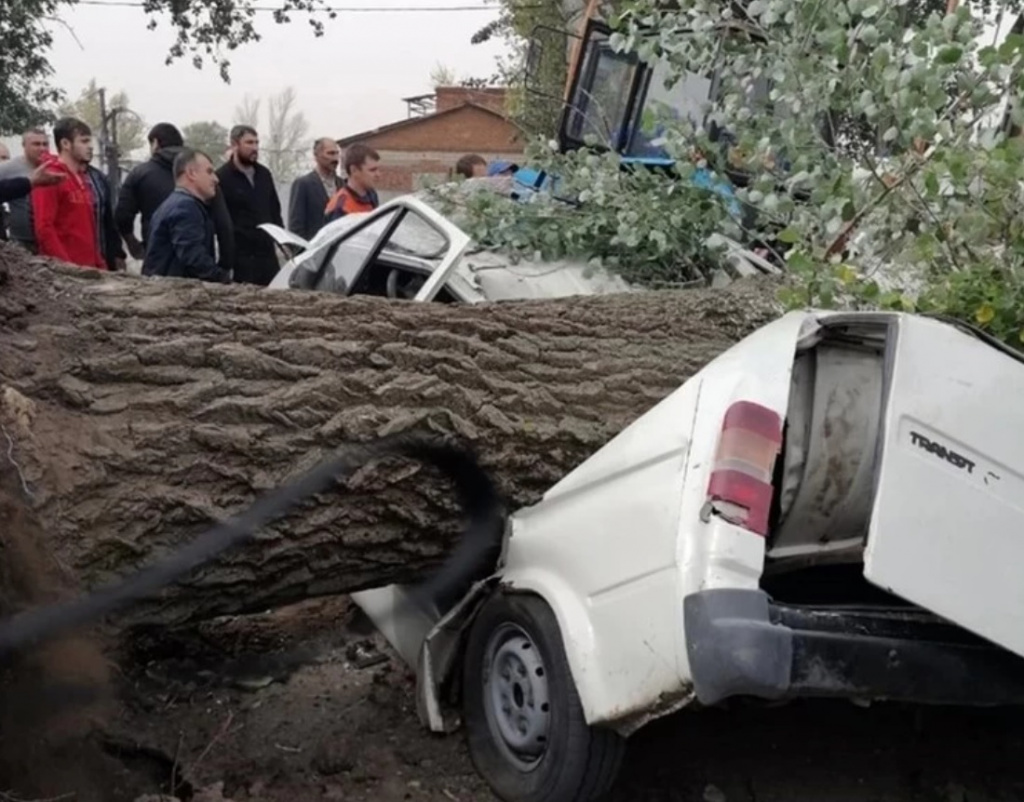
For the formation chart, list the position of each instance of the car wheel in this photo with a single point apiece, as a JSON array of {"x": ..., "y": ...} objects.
[{"x": 527, "y": 734}]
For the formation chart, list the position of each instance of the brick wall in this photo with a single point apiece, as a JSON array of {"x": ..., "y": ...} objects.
[
  {"x": 426, "y": 150},
  {"x": 450, "y": 97},
  {"x": 402, "y": 171},
  {"x": 465, "y": 129}
]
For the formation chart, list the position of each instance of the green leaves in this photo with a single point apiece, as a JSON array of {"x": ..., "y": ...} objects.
[
  {"x": 27, "y": 97},
  {"x": 650, "y": 228},
  {"x": 950, "y": 55}
]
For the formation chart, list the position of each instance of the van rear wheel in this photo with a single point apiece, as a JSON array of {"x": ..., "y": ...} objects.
[{"x": 525, "y": 727}]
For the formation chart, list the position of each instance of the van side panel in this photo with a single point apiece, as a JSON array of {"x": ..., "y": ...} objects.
[{"x": 947, "y": 529}]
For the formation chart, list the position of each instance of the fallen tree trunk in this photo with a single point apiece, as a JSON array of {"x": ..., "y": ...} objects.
[{"x": 136, "y": 412}]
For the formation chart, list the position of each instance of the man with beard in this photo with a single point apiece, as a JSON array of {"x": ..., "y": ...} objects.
[
  {"x": 64, "y": 214},
  {"x": 34, "y": 144},
  {"x": 250, "y": 199}
]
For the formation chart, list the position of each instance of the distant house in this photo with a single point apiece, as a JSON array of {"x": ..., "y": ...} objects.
[{"x": 454, "y": 121}]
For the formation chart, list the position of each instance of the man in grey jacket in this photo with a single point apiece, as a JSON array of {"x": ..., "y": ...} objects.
[
  {"x": 34, "y": 144},
  {"x": 310, "y": 193}
]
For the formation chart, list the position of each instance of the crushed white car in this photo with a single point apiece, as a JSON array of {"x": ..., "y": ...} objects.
[{"x": 407, "y": 249}]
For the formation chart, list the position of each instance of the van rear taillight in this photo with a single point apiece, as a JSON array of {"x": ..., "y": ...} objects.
[{"x": 740, "y": 489}]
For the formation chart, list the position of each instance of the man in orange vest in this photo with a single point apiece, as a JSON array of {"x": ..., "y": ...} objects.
[{"x": 362, "y": 166}]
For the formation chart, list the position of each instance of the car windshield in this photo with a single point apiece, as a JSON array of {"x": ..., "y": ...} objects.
[
  {"x": 416, "y": 237},
  {"x": 413, "y": 237}
]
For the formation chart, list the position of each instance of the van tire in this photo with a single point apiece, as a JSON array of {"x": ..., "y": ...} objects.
[{"x": 525, "y": 728}]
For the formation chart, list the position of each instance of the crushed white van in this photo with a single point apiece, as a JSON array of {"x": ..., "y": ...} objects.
[{"x": 833, "y": 507}]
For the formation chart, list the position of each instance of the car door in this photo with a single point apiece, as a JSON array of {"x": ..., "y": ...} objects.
[
  {"x": 946, "y": 531},
  {"x": 405, "y": 229}
]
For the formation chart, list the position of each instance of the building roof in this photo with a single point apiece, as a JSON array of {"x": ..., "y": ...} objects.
[{"x": 429, "y": 118}]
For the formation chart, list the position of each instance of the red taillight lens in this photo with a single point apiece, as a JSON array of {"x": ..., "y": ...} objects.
[{"x": 740, "y": 489}]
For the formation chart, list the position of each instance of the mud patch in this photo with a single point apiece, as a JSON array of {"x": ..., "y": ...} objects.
[{"x": 54, "y": 698}]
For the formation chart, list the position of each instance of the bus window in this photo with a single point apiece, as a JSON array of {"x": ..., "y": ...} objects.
[
  {"x": 686, "y": 98},
  {"x": 599, "y": 104}
]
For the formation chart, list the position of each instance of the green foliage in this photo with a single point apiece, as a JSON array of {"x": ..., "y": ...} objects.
[
  {"x": 26, "y": 96},
  {"x": 891, "y": 119},
  {"x": 880, "y": 142},
  {"x": 208, "y": 31},
  {"x": 623, "y": 220},
  {"x": 208, "y": 136},
  {"x": 535, "y": 89}
]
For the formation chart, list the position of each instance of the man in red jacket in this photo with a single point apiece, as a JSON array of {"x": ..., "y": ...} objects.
[{"x": 63, "y": 214}]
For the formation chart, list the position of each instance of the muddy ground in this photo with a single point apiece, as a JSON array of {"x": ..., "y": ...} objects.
[{"x": 297, "y": 714}]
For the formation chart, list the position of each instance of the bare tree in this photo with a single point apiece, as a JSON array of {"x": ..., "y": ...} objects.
[
  {"x": 248, "y": 112},
  {"x": 285, "y": 140},
  {"x": 442, "y": 75}
]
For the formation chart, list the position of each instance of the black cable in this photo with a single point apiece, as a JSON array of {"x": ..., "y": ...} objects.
[{"x": 476, "y": 552}]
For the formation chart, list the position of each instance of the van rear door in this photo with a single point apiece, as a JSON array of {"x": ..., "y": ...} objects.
[{"x": 947, "y": 529}]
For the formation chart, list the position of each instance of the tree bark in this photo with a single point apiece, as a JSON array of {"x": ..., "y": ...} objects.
[{"x": 136, "y": 412}]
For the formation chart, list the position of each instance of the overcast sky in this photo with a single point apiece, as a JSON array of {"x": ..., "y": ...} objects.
[{"x": 349, "y": 80}]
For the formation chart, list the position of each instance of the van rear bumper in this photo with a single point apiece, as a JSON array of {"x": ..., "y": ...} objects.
[{"x": 740, "y": 643}]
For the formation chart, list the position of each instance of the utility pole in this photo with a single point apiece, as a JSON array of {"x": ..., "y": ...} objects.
[
  {"x": 104, "y": 133},
  {"x": 114, "y": 169}
]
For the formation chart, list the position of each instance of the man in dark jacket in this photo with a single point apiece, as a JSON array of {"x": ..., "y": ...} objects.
[
  {"x": 149, "y": 184},
  {"x": 181, "y": 243},
  {"x": 103, "y": 214},
  {"x": 311, "y": 192},
  {"x": 248, "y": 195}
]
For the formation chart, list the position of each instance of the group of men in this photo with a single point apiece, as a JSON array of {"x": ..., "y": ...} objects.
[
  {"x": 60, "y": 205},
  {"x": 196, "y": 221}
]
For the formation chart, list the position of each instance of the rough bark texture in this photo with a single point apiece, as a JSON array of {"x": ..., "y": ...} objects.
[{"x": 137, "y": 411}]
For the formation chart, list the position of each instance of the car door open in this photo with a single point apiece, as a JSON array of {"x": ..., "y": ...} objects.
[{"x": 403, "y": 245}]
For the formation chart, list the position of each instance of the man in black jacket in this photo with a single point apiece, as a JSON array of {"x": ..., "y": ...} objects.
[
  {"x": 103, "y": 217},
  {"x": 149, "y": 184},
  {"x": 311, "y": 192},
  {"x": 248, "y": 194},
  {"x": 182, "y": 231}
]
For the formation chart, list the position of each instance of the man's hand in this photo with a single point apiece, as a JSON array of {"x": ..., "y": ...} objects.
[{"x": 42, "y": 176}]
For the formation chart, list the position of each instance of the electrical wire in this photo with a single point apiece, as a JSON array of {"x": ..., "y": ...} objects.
[{"x": 474, "y": 556}]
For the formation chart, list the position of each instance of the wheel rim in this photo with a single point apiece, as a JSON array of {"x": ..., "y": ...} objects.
[{"x": 516, "y": 696}]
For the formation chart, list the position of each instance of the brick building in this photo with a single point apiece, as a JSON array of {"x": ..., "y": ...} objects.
[{"x": 425, "y": 147}]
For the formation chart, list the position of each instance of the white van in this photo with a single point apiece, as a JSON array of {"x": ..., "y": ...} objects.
[{"x": 833, "y": 507}]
